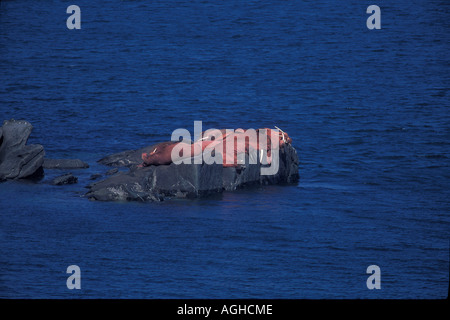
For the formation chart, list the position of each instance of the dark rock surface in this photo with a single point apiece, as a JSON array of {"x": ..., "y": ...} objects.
[
  {"x": 17, "y": 159},
  {"x": 64, "y": 164},
  {"x": 250, "y": 174},
  {"x": 155, "y": 183},
  {"x": 112, "y": 171},
  {"x": 64, "y": 179}
]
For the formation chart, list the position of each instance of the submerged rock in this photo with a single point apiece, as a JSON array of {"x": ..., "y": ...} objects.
[
  {"x": 17, "y": 159},
  {"x": 64, "y": 164}
]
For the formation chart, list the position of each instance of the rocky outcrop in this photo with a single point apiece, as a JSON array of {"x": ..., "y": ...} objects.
[
  {"x": 156, "y": 183},
  {"x": 17, "y": 159}
]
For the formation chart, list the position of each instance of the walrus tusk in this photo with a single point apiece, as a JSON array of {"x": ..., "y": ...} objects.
[{"x": 282, "y": 133}]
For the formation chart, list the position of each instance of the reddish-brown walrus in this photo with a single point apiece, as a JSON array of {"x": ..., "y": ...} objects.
[{"x": 162, "y": 153}]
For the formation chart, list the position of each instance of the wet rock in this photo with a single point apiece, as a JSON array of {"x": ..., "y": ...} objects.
[
  {"x": 65, "y": 179},
  {"x": 64, "y": 164},
  {"x": 17, "y": 159}
]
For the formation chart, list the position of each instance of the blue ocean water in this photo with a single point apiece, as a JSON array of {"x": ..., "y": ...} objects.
[{"x": 368, "y": 111}]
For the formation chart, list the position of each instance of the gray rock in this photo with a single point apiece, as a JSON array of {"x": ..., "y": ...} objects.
[
  {"x": 64, "y": 179},
  {"x": 156, "y": 183},
  {"x": 15, "y": 134},
  {"x": 64, "y": 164},
  {"x": 18, "y": 160},
  {"x": 123, "y": 187}
]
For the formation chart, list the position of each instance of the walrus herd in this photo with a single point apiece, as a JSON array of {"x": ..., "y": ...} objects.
[{"x": 242, "y": 141}]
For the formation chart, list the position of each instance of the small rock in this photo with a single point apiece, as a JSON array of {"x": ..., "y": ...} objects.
[
  {"x": 95, "y": 176},
  {"x": 64, "y": 179}
]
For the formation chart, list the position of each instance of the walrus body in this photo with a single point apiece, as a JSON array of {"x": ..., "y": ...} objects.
[
  {"x": 213, "y": 140},
  {"x": 161, "y": 154}
]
